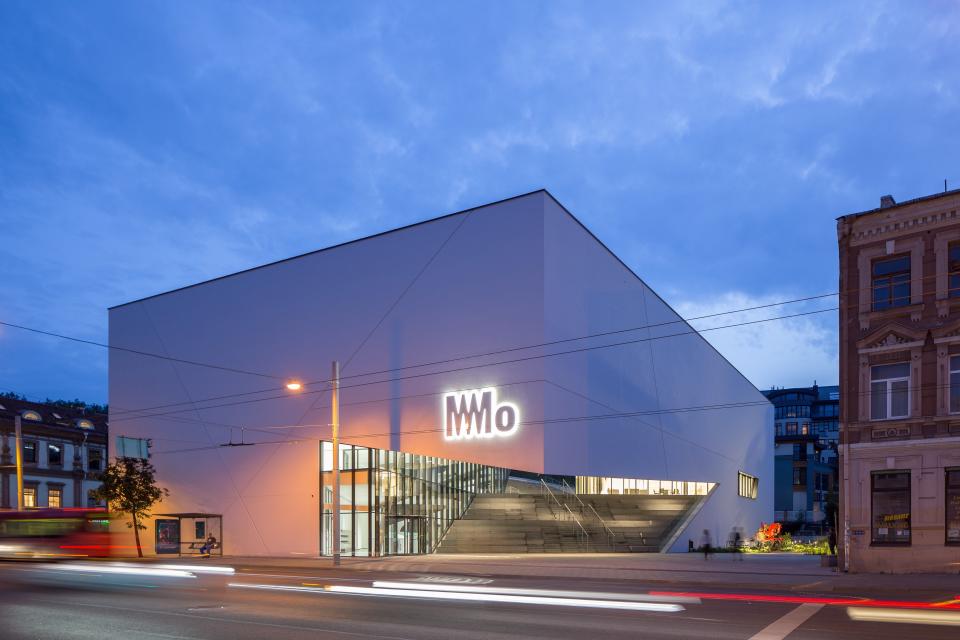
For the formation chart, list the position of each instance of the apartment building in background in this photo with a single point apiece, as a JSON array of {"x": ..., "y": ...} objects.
[
  {"x": 806, "y": 433},
  {"x": 900, "y": 386}
]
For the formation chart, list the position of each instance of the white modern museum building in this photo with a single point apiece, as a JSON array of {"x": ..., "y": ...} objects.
[{"x": 507, "y": 384}]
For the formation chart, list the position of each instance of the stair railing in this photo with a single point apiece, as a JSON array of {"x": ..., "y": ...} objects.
[
  {"x": 583, "y": 506},
  {"x": 543, "y": 486},
  {"x": 582, "y": 534}
]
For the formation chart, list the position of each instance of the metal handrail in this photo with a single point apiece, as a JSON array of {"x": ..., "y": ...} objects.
[
  {"x": 583, "y": 531},
  {"x": 586, "y": 533},
  {"x": 610, "y": 535},
  {"x": 543, "y": 485}
]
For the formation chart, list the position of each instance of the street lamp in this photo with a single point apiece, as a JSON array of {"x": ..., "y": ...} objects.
[{"x": 296, "y": 385}]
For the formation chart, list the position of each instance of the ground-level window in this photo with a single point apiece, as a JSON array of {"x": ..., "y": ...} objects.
[
  {"x": 747, "y": 485},
  {"x": 54, "y": 497},
  {"x": 890, "y": 507},
  {"x": 29, "y": 497},
  {"x": 953, "y": 506},
  {"x": 890, "y": 391}
]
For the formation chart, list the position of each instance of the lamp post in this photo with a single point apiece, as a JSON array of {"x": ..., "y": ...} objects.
[
  {"x": 335, "y": 428},
  {"x": 18, "y": 442}
]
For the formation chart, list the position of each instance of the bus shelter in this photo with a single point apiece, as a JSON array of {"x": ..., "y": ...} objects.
[{"x": 184, "y": 533}]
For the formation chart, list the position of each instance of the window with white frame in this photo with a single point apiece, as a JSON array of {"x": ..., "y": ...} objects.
[
  {"x": 890, "y": 391},
  {"x": 954, "y": 384}
]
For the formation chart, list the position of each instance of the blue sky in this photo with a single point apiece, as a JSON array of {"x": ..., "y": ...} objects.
[{"x": 145, "y": 146}]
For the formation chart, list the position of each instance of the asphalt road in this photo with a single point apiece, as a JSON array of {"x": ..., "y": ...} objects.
[{"x": 291, "y": 604}]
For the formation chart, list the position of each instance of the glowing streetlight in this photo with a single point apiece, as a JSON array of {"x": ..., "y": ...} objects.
[{"x": 294, "y": 385}]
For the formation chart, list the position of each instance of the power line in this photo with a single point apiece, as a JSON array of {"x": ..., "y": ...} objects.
[
  {"x": 503, "y": 351},
  {"x": 138, "y": 352},
  {"x": 547, "y": 421},
  {"x": 488, "y": 364}
]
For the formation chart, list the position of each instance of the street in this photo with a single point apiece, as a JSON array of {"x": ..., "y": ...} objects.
[{"x": 290, "y": 603}]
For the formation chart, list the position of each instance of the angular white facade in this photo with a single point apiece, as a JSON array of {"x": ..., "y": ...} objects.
[{"x": 494, "y": 280}]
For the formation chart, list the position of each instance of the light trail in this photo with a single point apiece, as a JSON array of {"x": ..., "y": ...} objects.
[{"x": 550, "y": 593}]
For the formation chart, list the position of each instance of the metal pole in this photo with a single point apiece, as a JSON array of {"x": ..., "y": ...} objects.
[
  {"x": 335, "y": 426},
  {"x": 18, "y": 441}
]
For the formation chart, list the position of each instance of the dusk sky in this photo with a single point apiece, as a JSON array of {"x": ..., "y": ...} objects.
[{"x": 146, "y": 146}]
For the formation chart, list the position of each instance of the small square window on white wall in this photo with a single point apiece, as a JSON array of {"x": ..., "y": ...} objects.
[{"x": 890, "y": 391}]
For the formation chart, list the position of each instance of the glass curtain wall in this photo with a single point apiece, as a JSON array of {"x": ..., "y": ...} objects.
[{"x": 395, "y": 503}]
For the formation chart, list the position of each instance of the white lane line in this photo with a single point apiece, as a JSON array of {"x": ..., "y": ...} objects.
[{"x": 784, "y": 626}]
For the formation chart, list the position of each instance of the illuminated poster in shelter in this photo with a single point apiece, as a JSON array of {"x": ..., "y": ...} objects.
[{"x": 168, "y": 536}]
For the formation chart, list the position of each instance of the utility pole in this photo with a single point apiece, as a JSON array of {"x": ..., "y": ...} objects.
[
  {"x": 335, "y": 426},
  {"x": 18, "y": 441}
]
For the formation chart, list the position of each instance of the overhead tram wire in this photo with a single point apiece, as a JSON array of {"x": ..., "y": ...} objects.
[
  {"x": 272, "y": 428},
  {"x": 488, "y": 364},
  {"x": 511, "y": 350},
  {"x": 246, "y": 393},
  {"x": 435, "y": 429}
]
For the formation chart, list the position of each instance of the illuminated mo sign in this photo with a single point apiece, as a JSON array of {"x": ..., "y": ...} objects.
[{"x": 477, "y": 414}]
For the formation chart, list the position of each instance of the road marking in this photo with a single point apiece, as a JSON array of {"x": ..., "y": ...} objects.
[{"x": 784, "y": 626}]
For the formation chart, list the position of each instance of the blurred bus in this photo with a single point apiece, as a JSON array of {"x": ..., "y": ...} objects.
[{"x": 55, "y": 533}]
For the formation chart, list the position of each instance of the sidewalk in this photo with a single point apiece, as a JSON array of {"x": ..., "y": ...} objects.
[{"x": 768, "y": 571}]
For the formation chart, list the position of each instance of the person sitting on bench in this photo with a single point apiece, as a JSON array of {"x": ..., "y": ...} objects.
[{"x": 209, "y": 545}]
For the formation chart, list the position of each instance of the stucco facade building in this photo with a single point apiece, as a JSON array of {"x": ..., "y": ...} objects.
[{"x": 900, "y": 385}]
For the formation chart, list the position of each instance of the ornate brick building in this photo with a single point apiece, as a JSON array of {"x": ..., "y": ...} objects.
[{"x": 900, "y": 386}]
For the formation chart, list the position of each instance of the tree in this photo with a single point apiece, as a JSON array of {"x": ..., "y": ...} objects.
[{"x": 130, "y": 486}]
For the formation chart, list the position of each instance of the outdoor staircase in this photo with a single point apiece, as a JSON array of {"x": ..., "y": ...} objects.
[{"x": 563, "y": 523}]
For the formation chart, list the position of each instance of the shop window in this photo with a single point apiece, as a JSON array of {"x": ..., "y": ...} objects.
[
  {"x": 29, "y": 452},
  {"x": 54, "y": 497},
  {"x": 954, "y": 384},
  {"x": 29, "y": 497},
  {"x": 891, "y": 282},
  {"x": 953, "y": 270},
  {"x": 890, "y": 391},
  {"x": 890, "y": 507},
  {"x": 953, "y": 506},
  {"x": 55, "y": 455},
  {"x": 748, "y": 485}
]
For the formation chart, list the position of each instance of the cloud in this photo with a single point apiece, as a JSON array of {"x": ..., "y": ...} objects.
[{"x": 785, "y": 353}]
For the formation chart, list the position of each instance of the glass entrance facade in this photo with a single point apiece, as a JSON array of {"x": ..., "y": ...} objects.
[{"x": 395, "y": 503}]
